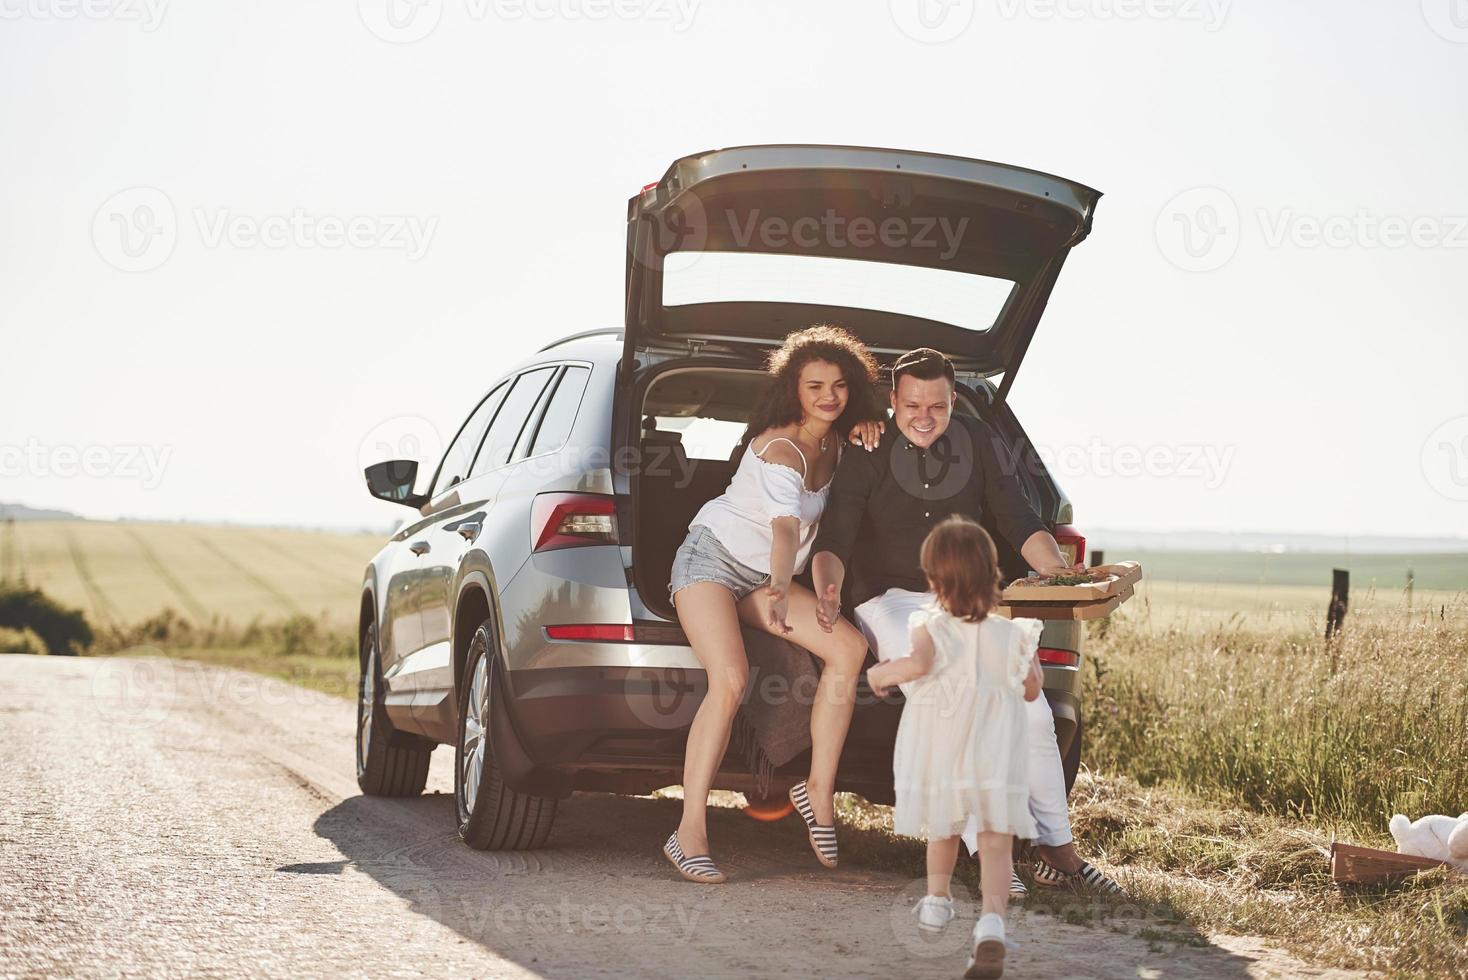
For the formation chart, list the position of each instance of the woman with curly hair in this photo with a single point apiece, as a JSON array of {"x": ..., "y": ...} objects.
[{"x": 737, "y": 562}]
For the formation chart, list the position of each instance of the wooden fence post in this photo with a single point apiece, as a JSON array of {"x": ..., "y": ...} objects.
[
  {"x": 1409, "y": 590},
  {"x": 1340, "y": 590},
  {"x": 1098, "y": 557}
]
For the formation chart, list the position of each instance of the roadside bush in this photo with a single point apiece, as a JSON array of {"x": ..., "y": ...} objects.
[
  {"x": 64, "y": 631},
  {"x": 21, "y": 641}
]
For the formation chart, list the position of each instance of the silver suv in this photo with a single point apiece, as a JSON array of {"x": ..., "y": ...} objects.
[{"x": 522, "y": 614}]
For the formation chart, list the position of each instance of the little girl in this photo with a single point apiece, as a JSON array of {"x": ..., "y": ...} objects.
[{"x": 960, "y": 760}]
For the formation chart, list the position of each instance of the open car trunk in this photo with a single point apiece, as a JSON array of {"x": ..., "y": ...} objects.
[
  {"x": 692, "y": 421},
  {"x": 915, "y": 249}
]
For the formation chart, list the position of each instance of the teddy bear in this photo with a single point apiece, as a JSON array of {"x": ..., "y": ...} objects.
[{"x": 1438, "y": 837}]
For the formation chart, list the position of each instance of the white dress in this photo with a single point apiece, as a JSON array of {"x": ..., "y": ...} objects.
[{"x": 960, "y": 765}]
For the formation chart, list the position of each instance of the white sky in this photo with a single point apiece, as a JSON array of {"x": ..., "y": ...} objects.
[{"x": 1318, "y": 376}]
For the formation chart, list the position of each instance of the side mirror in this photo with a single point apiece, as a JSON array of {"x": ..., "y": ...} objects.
[{"x": 393, "y": 481}]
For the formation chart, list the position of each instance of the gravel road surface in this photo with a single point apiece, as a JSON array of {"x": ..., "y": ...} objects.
[{"x": 168, "y": 818}]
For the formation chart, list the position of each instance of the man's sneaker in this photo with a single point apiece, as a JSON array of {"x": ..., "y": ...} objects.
[
  {"x": 934, "y": 912},
  {"x": 1088, "y": 877},
  {"x": 987, "y": 958},
  {"x": 1017, "y": 889}
]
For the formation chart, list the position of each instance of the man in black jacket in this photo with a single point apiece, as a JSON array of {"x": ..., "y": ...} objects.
[{"x": 882, "y": 505}]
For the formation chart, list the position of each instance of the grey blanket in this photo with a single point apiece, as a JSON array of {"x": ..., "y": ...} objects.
[{"x": 772, "y": 725}]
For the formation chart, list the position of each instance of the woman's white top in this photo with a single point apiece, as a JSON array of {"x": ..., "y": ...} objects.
[
  {"x": 759, "y": 492},
  {"x": 961, "y": 761}
]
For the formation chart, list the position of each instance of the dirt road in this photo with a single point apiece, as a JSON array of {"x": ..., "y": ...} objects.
[{"x": 168, "y": 818}]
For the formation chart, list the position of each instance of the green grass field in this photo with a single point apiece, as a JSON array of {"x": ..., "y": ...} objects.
[{"x": 123, "y": 572}]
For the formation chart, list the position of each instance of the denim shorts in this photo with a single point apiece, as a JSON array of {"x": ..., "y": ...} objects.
[{"x": 702, "y": 558}]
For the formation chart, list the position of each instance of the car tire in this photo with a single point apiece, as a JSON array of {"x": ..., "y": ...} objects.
[
  {"x": 492, "y": 816},
  {"x": 385, "y": 766},
  {"x": 1072, "y": 761}
]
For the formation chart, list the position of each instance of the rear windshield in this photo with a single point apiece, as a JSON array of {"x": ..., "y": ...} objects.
[{"x": 965, "y": 300}]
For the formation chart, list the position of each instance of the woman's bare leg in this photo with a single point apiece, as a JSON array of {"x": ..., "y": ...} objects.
[
  {"x": 995, "y": 867},
  {"x": 841, "y": 653},
  {"x": 942, "y": 855},
  {"x": 706, "y": 612}
]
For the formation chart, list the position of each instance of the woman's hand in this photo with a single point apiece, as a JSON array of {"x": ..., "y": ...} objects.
[
  {"x": 777, "y": 603},
  {"x": 868, "y": 435},
  {"x": 828, "y": 609}
]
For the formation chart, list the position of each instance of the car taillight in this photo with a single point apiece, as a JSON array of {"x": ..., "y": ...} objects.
[
  {"x": 662, "y": 634},
  {"x": 607, "y": 633},
  {"x": 1061, "y": 658},
  {"x": 1072, "y": 544},
  {"x": 572, "y": 520}
]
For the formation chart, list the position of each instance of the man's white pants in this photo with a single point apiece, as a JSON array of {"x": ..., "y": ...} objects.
[{"x": 884, "y": 621}]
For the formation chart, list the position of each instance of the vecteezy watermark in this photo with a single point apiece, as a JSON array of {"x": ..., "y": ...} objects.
[
  {"x": 137, "y": 229},
  {"x": 129, "y": 461},
  {"x": 407, "y": 21},
  {"x": 1208, "y": 13},
  {"x": 1447, "y": 18},
  {"x": 1361, "y": 229},
  {"x": 832, "y": 230},
  {"x": 686, "y": 228},
  {"x": 932, "y": 21},
  {"x": 1200, "y": 230},
  {"x": 1208, "y": 464},
  {"x": 147, "y": 14},
  {"x": 1445, "y": 459}
]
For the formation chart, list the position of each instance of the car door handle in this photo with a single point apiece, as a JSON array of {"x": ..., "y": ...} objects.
[
  {"x": 419, "y": 547},
  {"x": 468, "y": 527}
]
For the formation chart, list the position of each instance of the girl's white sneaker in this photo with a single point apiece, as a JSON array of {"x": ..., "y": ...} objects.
[
  {"x": 934, "y": 912},
  {"x": 987, "y": 959}
]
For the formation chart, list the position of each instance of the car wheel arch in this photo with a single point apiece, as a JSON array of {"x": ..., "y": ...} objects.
[{"x": 477, "y": 601}]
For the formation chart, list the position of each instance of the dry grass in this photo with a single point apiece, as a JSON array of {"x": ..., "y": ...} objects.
[{"x": 1351, "y": 731}]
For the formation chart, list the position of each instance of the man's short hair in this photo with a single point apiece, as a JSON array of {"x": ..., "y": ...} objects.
[{"x": 925, "y": 364}]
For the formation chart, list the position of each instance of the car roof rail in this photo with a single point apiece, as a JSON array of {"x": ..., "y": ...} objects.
[{"x": 615, "y": 332}]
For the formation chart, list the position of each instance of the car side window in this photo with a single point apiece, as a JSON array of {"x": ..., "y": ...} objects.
[
  {"x": 455, "y": 466},
  {"x": 560, "y": 414},
  {"x": 511, "y": 419}
]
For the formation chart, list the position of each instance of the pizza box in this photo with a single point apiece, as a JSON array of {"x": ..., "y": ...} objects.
[
  {"x": 1354, "y": 865},
  {"x": 1062, "y": 609},
  {"x": 1117, "y": 579}
]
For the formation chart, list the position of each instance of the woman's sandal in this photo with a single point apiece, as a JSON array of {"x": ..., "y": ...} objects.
[
  {"x": 700, "y": 869},
  {"x": 822, "y": 839}
]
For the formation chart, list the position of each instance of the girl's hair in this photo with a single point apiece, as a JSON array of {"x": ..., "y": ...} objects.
[
  {"x": 822, "y": 342},
  {"x": 962, "y": 567}
]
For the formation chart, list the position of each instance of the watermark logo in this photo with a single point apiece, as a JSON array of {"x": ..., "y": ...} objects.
[
  {"x": 932, "y": 21},
  {"x": 135, "y": 230},
  {"x": 1445, "y": 459},
  {"x": 136, "y": 693},
  {"x": 1198, "y": 230},
  {"x": 410, "y": 437},
  {"x": 1447, "y": 18},
  {"x": 400, "y": 21},
  {"x": 938, "y": 472},
  {"x": 950, "y": 943}
]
